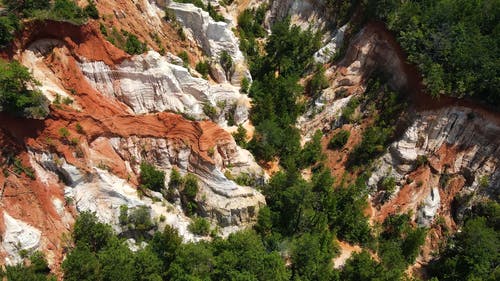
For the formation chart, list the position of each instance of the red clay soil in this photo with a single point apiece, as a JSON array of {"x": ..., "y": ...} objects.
[
  {"x": 128, "y": 15},
  {"x": 84, "y": 40},
  {"x": 31, "y": 200}
]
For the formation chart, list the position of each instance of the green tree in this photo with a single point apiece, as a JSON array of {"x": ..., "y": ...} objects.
[
  {"x": 339, "y": 139},
  {"x": 166, "y": 245},
  {"x": 88, "y": 231},
  {"x": 91, "y": 10},
  {"x": 16, "y": 94},
  {"x": 152, "y": 178},
  {"x": 81, "y": 264}
]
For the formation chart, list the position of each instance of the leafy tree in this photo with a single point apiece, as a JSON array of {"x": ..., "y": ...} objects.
[
  {"x": 91, "y": 233},
  {"x": 453, "y": 43},
  {"x": 471, "y": 255},
  {"x": 317, "y": 83},
  {"x": 360, "y": 266},
  {"x": 339, "y": 139},
  {"x": 147, "y": 266},
  {"x": 134, "y": 46},
  {"x": 243, "y": 257},
  {"x": 16, "y": 96},
  {"x": 117, "y": 262},
  {"x": 311, "y": 154},
  {"x": 240, "y": 136},
  {"x": 193, "y": 262},
  {"x": 151, "y": 178},
  {"x": 166, "y": 245},
  {"x": 312, "y": 257},
  {"x": 8, "y": 26},
  {"x": 81, "y": 265},
  {"x": 199, "y": 226},
  {"x": 91, "y": 10}
]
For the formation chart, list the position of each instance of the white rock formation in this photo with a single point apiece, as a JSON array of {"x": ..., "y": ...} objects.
[
  {"x": 219, "y": 198},
  {"x": 326, "y": 53},
  {"x": 50, "y": 85},
  {"x": 429, "y": 209},
  {"x": 214, "y": 37},
  {"x": 18, "y": 236},
  {"x": 304, "y": 13},
  {"x": 149, "y": 83},
  {"x": 458, "y": 127},
  {"x": 106, "y": 193}
]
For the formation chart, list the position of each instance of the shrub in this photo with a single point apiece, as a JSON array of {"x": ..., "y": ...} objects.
[
  {"x": 151, "y": 178},
  {"x": 91, "y": 10},
  {"x": 185, "y": 58},
  {"x": 203, "y": 68},
  {"x": 226, "y": 62},
  {"x": 140, "y": 217},
  {"x": 240, "y": 136},
  {"x": 64, "y": 133},
  {"x": 79, "y": 129},
  {"x": 123, "y": 217},
  {"x": 199, "y": 226},
  {"x": 190, "y": 186},
  {"x": 209, "y": 110},
  {"x": 245, "y": 85},
  {"x": 339, "y": 139},
  {"x": 348, "y": 111},
  {"x": 317, "y": 83},
  {"x": 134, "y": 46}
]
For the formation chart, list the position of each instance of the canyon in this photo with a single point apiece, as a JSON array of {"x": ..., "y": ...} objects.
[{"x": 123, "y": 110}]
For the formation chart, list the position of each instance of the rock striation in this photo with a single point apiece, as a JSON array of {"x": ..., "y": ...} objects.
[
  {"x": 149, "y": 83},
  {"x": 215, "y": 37}
]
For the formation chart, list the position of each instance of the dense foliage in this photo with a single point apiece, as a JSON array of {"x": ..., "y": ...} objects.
[
  {"x": 152, "y": 178},
  {"x": 17, "y": 96},
  {"x": 61, "y": 10},
  {"x": 473, "y": 253},
  {"x": 455, "y": 44}
]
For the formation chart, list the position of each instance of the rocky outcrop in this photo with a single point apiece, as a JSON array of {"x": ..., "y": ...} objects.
[
  {"x": 214, "y": 37},
  {"x": 219, "y": 198},
  {"x": 328, "y": 51},
  {"x": 18, "y": 236},
  {"x": 370, "y": 50},
  {"x": 444, "y": 153},
  {"x": 304, "y": 13},
  {"x": 149, "y": 83}
]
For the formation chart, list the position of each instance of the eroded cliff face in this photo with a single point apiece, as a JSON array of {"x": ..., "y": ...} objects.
[
  {"x": 446, "y": 157},
  {"x": 103, "y": 123}
]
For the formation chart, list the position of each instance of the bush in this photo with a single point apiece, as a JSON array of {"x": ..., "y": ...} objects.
[
  {"x": 91, "y": 10},
  {"x": 226, "y": 61},
  {"x": 203, "y": 68},
  {"x": 140, "y": 217},
  {"x": 240, "y": 136},
  {"x": 151, "y": 178},
  {"x": 339, "y": 139},
  {"x": 245, "y": 85},
  {"x": 190, "y": 186},
  {"x": 185, "y": 58},
  {"x": 134, "y": 46},
  {"x": 199, "y": 226},
  {"x": 209, "y": 110}
]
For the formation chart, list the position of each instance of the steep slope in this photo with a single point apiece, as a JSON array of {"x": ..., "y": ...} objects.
[
  {"x": 445, "y": 158},
  {"x": 86, "y": 155}
]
